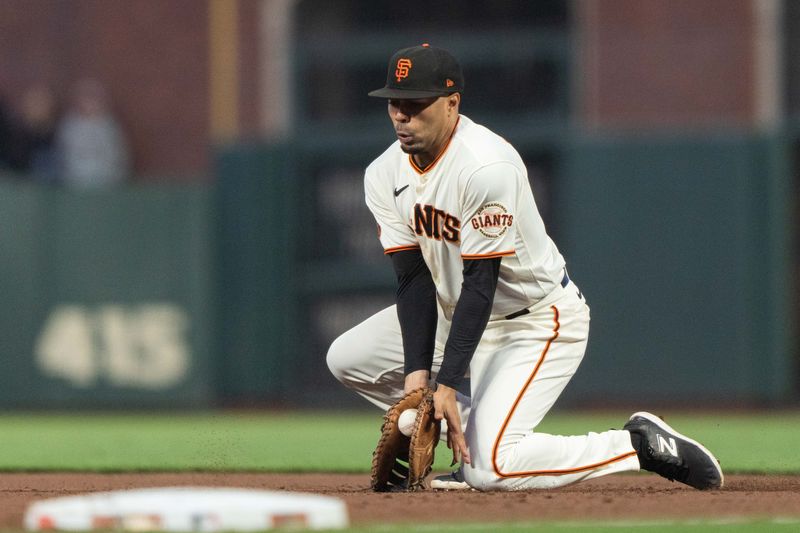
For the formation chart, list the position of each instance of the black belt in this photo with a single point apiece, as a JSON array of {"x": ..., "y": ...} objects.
[{"x": 521, "y": 312}]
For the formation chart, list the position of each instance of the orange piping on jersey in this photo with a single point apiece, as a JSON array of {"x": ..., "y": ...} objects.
[
  {"x": 401, "y": 248},
  {"x": 488, "y": 256},
  {"x": 566, "y": 471},
  {"x": 438, "y": 157},
  {"x": 556, "y": 472}
]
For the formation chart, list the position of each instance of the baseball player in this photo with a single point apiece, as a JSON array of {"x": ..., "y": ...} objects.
[{"x": 482, "y": 290}]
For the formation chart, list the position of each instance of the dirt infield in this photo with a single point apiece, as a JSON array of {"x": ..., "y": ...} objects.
[{"x": 615, "y": 497}]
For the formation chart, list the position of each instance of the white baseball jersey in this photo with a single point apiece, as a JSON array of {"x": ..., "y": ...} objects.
[{"x": 474, "y": 201}]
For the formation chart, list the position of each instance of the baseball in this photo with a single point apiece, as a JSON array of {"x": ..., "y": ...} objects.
[{"x": 405, "y": 422}]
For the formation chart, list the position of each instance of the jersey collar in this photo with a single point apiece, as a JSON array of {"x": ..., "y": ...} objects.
[{"x": 430, "y": 165}]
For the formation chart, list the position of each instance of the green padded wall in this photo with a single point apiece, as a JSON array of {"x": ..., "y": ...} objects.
[
  {"x": 258, "y": 220},
  {"x": 681, "y": 246}
]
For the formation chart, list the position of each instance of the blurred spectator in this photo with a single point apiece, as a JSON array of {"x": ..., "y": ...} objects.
[
  {"x": 34, "y": 143},
  {"x": 92, "y": 149}
]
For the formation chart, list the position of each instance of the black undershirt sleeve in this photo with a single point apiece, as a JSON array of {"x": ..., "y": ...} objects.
[
  {"x": 416, "y": 309},
  {"x": 469, "y": 318}
]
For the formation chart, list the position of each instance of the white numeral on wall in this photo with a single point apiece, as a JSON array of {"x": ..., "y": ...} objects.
[{"x": 132, "y": 346}]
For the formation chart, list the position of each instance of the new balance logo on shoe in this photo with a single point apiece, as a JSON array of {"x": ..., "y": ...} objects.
[{"x": 670, "y": 446}]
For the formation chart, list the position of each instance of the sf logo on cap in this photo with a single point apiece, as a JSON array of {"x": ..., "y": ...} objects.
[{"x": 403, "y": 65}]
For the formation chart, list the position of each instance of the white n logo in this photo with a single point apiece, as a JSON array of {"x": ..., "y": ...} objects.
[{"x": 670, "y": 446}]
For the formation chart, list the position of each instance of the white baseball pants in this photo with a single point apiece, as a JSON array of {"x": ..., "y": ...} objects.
[{"x": 519, "y": 369}]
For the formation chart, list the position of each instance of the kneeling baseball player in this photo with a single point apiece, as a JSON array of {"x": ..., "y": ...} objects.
[{"x": 481, "y": 289}]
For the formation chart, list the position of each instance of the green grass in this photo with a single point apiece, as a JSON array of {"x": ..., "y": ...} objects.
[{"x": 332, "y": 442}]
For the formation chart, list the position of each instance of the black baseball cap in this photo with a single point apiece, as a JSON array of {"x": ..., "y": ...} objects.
[{"x": 420, "y": 72}]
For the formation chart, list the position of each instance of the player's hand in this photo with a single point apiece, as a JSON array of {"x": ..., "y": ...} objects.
[
  {"x": 446, "y": 407},
  {"x": 416, "y": 380}
]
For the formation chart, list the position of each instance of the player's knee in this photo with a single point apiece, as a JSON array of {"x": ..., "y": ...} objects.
[
  {"x": 489, "y": 480},
  {"x": 345, "y": 358},
  {"x": 338, "y": 362},
  {"x": 487, "y": 473},
  {"x": 501, "y": 477},
  {"x": 481, "y": 479}
]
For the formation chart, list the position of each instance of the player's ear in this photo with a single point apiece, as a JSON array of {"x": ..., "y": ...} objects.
[
  {"x": 452, "y": 103},
  {"x": 454, "y": 100}
]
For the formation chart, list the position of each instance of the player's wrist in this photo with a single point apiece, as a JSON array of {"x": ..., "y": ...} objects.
[
  {"x": 416, "y": 379},
  {"x": 445, "y": 390}
]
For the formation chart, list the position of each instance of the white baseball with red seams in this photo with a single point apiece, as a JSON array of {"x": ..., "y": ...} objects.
[
  {"x": 474, "y": 201},
  {"x": 406, "y": 421}
]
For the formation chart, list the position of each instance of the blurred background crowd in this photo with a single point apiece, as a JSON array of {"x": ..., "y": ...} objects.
[
  {"x": 181, "y": 206},
  {"x": 72, "y": 139}
]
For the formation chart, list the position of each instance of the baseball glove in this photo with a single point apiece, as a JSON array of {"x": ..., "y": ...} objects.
[{"x": 400, "y": 462}]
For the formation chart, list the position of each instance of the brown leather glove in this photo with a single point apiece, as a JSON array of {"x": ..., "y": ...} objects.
[{"x": 400, "y": 462}]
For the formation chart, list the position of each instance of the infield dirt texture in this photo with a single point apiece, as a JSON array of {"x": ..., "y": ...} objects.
[{"x": 621, "y": 497}]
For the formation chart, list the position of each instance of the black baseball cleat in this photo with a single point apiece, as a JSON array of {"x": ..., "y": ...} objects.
[{"x": 666, "y": 452}]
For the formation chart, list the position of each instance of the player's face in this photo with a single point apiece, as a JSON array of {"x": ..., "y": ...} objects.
[{"x": 420, "y": 124}]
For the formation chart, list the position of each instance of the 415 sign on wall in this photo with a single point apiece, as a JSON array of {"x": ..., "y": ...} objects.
[{"x": 140, "y": 346}]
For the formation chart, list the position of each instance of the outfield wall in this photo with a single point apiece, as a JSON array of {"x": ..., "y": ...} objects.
[
  {"x": 107, "y": 297},
  {"x": 229, "y": 294},
  {"x": 684, "y": 247}
]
